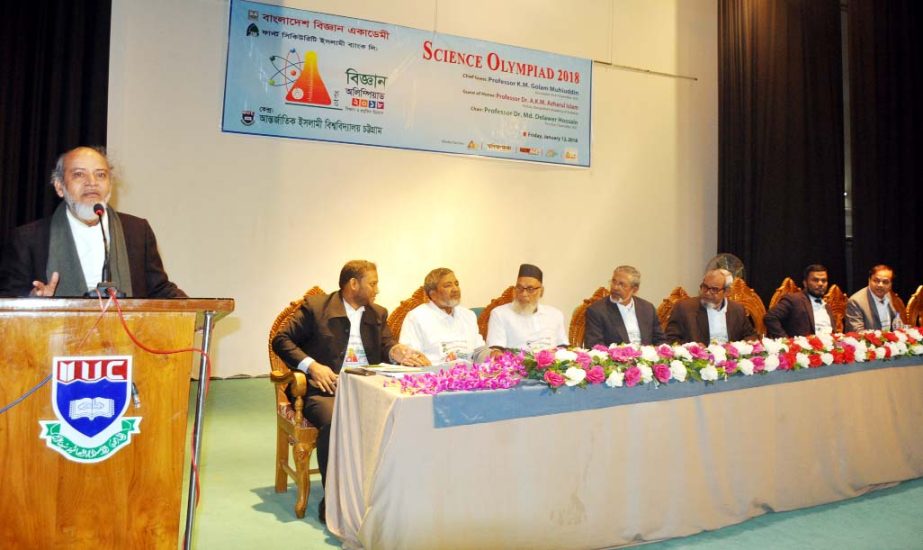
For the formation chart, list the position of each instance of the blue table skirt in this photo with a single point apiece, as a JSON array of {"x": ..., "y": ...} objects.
[{"x": 534, "y": 398}]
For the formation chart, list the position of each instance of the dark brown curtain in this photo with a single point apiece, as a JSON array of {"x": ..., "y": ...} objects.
[
  {"x": 780, "y": 175},
  {"x": 886, "y": 90},
  {"x": 54, "y": 65}
]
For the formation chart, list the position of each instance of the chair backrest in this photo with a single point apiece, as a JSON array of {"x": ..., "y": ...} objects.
[
  {"x": 484, "y": 318},
  {"x": 788, "y": 286},
  {"x": 666, "y": 306},
  {"x": 275, "y": 363},
  {"x": 913, "y": 315},
  {"x": 741, "y": 293},
  {"x": 836, "y": 299},
  {"x": 396, "y": 319},
  {"x": 898, "y": 304},
  {"x": 578, "y": 320}
]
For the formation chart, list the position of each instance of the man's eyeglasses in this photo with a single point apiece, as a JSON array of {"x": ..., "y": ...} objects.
[
  {"x": 527, "y": 289},
  {"x": 710, "y": 289}
]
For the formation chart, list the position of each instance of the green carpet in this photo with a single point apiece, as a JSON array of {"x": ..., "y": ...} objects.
[{"x": 239, "y": 508}]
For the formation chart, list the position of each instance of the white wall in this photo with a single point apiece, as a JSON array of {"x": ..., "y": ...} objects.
[{"x": 262, "y": 219}]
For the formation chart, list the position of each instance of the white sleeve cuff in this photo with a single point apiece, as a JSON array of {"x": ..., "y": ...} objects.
[{"x": 305, "y": 363}]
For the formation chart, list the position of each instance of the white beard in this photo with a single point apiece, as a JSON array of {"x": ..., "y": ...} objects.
[
  {"x": 527, "y": 309},
  {"x": 84, "y": 212}
]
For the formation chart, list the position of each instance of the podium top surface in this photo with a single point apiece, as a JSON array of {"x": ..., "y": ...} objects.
[{"x": 219, "y": 306}]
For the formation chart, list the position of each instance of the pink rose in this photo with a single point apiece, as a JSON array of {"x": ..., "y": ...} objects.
[
  {"x": 665, "y": 351},
  {"x": 632, "y": 376},
  {"x": 730, "y": 367},
  {"x": 732, "y": 351},
  {"x": 661, "y": 373},
  {"x": 545, "y": 358},
  {"x": 759, "y": 364},
  {"x": 596, "y": 375},
  {"x": 600, "y": 347},
  {"x": 584, "y": 359},
  {"x": 553, "y": 379}
]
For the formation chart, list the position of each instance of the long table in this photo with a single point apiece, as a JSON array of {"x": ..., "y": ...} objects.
[{"x": 616, "y": 475}]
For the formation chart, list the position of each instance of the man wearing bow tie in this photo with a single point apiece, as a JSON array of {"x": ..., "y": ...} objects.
[
  {"x": 871, "y": 308},
  {"x": 803, "y": 313}
]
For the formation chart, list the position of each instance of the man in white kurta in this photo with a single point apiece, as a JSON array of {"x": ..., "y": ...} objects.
[
  {"x": 524, "y": 323},
  {"x": 440, "y": 328}
]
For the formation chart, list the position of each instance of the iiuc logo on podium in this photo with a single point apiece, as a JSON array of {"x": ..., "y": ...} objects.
[{"x": 90, "y": 396}]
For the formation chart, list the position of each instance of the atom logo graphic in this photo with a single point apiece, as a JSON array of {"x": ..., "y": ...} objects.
[{"x": 300, "y": 78}]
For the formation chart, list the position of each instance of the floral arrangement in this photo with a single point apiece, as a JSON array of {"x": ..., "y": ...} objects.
[{"x": 631, "y": 365}]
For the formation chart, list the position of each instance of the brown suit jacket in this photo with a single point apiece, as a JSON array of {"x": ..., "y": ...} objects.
[
  {"x": 320, "y": 329},
  {"x": 792, "y": 315},
  {"x": 689, "y": 322}
]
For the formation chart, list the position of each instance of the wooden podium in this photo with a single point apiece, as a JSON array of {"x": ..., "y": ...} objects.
[{"x": 133, "y": 498}]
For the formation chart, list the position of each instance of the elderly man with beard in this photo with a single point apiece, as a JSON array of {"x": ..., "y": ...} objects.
[
  {"x": 802, "y": 313},
  {"x": 331, "y": 332},
  {"x": 524, "y": 324},
  {"x": 442, "y": 329},
  {"x": 710, "y": 317},
  {"x": 624, "y": 318},
  {"x": 63, "y": 254}
]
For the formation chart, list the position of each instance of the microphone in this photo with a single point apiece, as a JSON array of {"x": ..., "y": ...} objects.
[{"x": 102, "y": 289}]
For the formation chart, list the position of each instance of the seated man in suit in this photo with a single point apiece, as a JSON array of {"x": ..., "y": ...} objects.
[
  {"x": 334, "y": 331},
  {"x": 624, "y": 317},
  {"x": 63, "y": 254},
  {"x": 803, "y": 313},
  {"x": 440, "y": 328},
  {"x": 525, "y": 324},
  {"x": 871, "y": 307},
  {"x": 710, "y": 317}
]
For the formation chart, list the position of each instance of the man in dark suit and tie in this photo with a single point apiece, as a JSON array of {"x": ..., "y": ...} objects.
[
  {"x": 710, "y": 317},
  {"x": 623, "y": 317},
  {"x": 871, "y": 307},
  {"x": 802, "y": 313}
]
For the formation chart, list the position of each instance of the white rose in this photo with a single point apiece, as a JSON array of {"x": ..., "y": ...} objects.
[
  {"x": 597, "y": 354},
  {"x": 802, "y": 342},
  {"x": 916, "y": 349},
  {"x": 574, "y": 376},
  {"x": 718, "y": 352},
  {"x": 649, "y": 353},
  {"x": 880, "y": 353},
  {"x": 709, "y": 373},
  {"x": 745, "y": 366},
  {"x": 682, "y": 353},
  {"x": 827, "y": 340},
  {"x": 901, "y": 337},
  {"x": 647, "y": 373},
  {"x": 914, "y": 333},
  {"x": 564, "y": 355},
  {"x": 773, "y": 346},
  {"x": 615, "y": 379},
  {"x": 826, "y": 358},
  {"x": 901, "y": 348},
  {"x": 678, "y": 369},
  {"x": 743, "y": 348},
  {"x": 801, "y": 359},
  {"x": 772, "y": 363}
]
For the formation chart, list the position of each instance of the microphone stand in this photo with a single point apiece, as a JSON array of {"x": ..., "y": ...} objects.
[{"x": 105, "y": 285}]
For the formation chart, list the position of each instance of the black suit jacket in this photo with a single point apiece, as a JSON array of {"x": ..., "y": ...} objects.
[
  {"x": 792, "y": 315},
  {"x": 604, "y": 324},
  {"x": 26, "y": 258},
  {"x": 320, "y": 329},
  {"x": 689, "y": 322}
]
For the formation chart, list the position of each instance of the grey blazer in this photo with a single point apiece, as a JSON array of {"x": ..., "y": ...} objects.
[{"x": 861, "y": 313}]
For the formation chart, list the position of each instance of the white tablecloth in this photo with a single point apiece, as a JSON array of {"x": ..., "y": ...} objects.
[{"x": 613, "y": 476}]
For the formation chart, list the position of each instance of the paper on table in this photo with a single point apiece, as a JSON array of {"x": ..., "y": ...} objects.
[{"x": 385, "y": 368}]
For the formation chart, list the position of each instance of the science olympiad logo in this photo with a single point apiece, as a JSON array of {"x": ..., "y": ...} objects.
[{"x": 90, "y": 396}]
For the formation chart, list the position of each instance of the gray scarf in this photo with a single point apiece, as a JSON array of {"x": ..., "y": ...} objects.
[{"x": 63, "y": 257}]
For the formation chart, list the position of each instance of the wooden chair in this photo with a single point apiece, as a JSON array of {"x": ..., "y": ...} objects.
[
  {"x": 396, "y": 319},
  {"x": 836, "y": 299},
  {"x": 898, "y": 304},
  {"x": 578, "y": 320},
  {"x": 788, "y": 286},
  {"x": 484, "y": 318},
  {"x": 293, "y": 432},
  {"x": 913, "y": 315},
  {"x": 741, "y": 293},
  {"x": 666, "y": 306}
]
